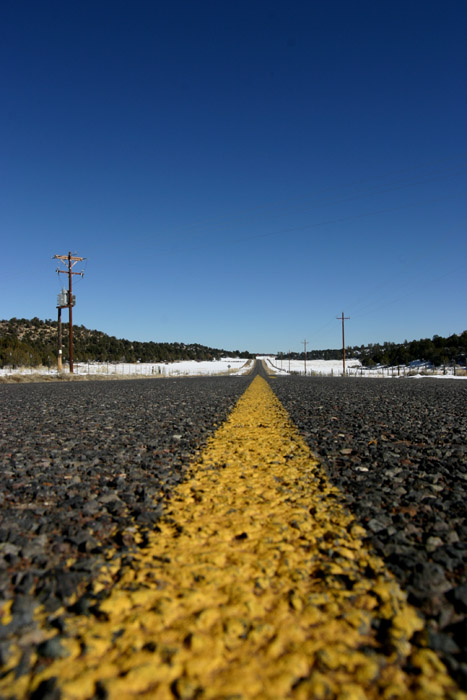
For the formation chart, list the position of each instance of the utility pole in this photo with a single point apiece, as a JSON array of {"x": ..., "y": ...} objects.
[
  {"x": 304, "y": 343},
  {"x": 289, "y": 361},
  {"x": 343, "y": 318},
  {"x": 59, "y": 356},
  {"x": 69, "y": 261}
]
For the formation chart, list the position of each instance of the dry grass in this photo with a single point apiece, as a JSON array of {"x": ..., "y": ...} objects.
[{"x": 67, "y": 377}]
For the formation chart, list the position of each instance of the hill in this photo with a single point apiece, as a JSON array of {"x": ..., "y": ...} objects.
[{"x": 33, "y": 342}]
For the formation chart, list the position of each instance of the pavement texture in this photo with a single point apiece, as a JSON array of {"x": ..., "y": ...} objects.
[
  {"x": 237, "y": 571},
  {"x": 84, "y": 468},
  {"x": 397, "y": 451}
]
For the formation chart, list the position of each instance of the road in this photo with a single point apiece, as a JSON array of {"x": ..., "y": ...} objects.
[
  {"x": 130, "y": 542},
  {"x": 396, "y": 450}
]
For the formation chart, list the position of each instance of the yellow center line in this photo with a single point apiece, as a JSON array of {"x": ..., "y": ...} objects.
[{"x": 256, "y": 584}]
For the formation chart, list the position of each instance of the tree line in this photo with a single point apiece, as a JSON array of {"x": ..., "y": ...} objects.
[
  {"x": 33, "y": 342},
  {"x": 30, "y": 343},
  {"x": 436, "y": 351}
]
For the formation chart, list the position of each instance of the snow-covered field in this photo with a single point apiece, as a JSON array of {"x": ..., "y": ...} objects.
[
  {"x": 353, "y": 368},
  {"x": 185, "y": 368},
  {"x": 232, "y": 366},
  {"x": 321, "y": 367}
]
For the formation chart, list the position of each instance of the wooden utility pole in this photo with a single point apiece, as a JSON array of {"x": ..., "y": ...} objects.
[
  {"x": 304, "y": 349},
  {"x": 343, "y": 318},
  {"x": 69, "y": 261},
  {"x": 59, "y": 356}
]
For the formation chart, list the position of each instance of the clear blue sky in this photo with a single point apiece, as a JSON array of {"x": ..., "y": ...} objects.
[{"x": 237, "y": 173}]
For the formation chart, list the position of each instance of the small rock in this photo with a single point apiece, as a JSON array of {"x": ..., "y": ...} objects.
[
  {"x": 52, "y": 649},
  {"x": 452, "y": 537},
  {"x": 23, "y": 610},
  {"x": 442, "y": 642},
  {"x": 458, "y": 596},
  {"x": 376, "y": 525},
  {"x": 433, "y": 543}
]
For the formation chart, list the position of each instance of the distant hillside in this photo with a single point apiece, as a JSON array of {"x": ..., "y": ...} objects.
[
  {"x": 437, "y": 351},
  {"x": 33, "y": 342}
]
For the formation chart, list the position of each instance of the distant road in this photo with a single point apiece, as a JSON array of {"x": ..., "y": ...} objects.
[{"x": 88, "y": 469}]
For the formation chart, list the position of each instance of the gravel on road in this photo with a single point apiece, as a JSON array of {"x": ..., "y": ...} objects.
[
  {"x": 82, "y": 468},
  {"x": 86, "y": 468},
  {"x": 397, "y": 451}
]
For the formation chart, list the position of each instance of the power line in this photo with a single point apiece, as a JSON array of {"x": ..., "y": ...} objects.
[
  {"x": 444, "y": 162},
  {"x": 351, "y": 217},
  {"x": 327, "y": 222}
]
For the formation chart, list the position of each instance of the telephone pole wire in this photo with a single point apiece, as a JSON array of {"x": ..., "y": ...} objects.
[
  {"x": 69, "y": 261},
  {"x": 343, "y": 318}
]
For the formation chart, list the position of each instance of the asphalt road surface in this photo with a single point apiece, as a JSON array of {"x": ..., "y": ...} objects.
[
  {"x": 397, "y": 451},
  {"x": 88, "y": 471}
]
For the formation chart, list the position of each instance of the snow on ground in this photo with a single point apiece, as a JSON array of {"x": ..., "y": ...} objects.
[
  {"x": 232, "y": 366},
  {"x": 321, "y": 367},
  {"x": 184, "y": 368},
  {"x": 353, "y": 368},
  {"x": 440, "y": 375}
]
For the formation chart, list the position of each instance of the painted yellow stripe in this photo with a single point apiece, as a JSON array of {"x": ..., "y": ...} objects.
[{"x": 255, "y": 585}]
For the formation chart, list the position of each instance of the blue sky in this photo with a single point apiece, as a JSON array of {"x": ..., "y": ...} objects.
[{"x": 237, "y": 173}]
